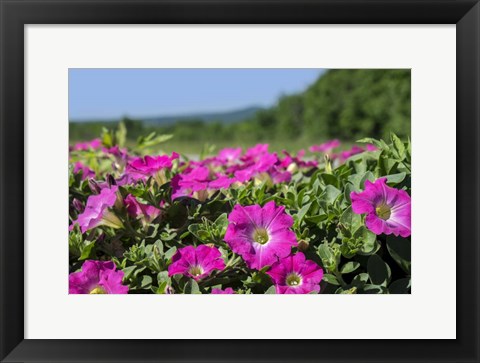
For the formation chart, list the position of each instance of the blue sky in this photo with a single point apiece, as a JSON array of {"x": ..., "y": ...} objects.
[{"x": 113, "y": 93}]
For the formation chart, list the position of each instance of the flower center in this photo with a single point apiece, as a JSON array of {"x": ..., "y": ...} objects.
[
  {"x": 383, "y": 211},
  {"x": 195, "y": 271},
  {"x": 293, "y": 279},
  {"x": 260, "y": 235},
  {"x": 98, "y": 290}
]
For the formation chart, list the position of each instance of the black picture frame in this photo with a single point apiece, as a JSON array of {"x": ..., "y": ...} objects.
[{"x": 15, "y": 14}]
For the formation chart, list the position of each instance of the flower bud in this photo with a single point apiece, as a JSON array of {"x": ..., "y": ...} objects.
[
  {"x": 328, "y": 164},
  {"x": 292, "y": 168},
  {"x": 94, "y": 187},
  {"x": 303, "y": 245},
  {"x": 350, "y": 291},
  {"x": 78, "y": 205},
  {"x": 111, "y": 180}
]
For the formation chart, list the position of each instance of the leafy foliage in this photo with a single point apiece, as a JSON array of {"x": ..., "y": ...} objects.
[{"x": 354, "y": 259}]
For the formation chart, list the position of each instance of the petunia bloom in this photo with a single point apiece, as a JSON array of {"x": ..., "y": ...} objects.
[
  {"x": 139, "y": 210},
  {"x": 143, "y": 168},
  {"x": 196, "y": 262},
  {"x": 86, "y": 171},
  {"x": 344, "y": 155},
  {"x": 98, "y": 211},
  {"x": 326, "y": 147},
  {"x": 388, "y": 209},
  {"x": 295, "y": 275},
  {"x": 355, "y": 150},
  {"x": 197, "y": 183},
  {"x": 262, "y": 163},
  {"x": 97, "y": 277},
  {"x": 228, "y": 290},
  {"x": 229, "y": 155},
  {"x": 255, "y": 151},
  {"x": 84, "y": 146},
  {"x": 260, "y": 235}
]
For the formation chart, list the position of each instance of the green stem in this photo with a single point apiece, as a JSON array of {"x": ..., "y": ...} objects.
[{"x": 339, "y": 277}]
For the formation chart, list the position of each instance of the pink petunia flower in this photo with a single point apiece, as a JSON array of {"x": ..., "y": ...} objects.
[
  {"x": 86, "y": 171},
  {"x": 355, "y": 150},
  {"x": 228, "y": 290},
  {"x": 388, "y": 209},
  {"x": 292, "y": 163},
  {"x": 197, "y": 183},
  {"x": 326, "y": 147},
  {"x": 262, "y": 163},
  {"x": 295, "y": 275},
  {"x": 97, "y": 277},
  {"x": 98, "y": 211},
  {"x": 255, "y": 151},
  {"x": 229, "y": 155},
  {"x": 143, "y": 168},
  {"x": 196, "y": 262},
  {"x": 84, "y": 146},
  {"x": 139, "y": 210},
  {"x": 344, "y": 155},
  {"x": 260, "y": 235}
]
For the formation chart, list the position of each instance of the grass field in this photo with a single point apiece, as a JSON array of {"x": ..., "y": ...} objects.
[{"x": 197, "y": 147}]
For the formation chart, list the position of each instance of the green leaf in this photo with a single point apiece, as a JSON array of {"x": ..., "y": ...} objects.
[
  {"x": 351, "y": 291},
  {"x": 387, "y": 164},
  {"x": 128, "y": 271},
  {"x": 401, "y": 246},
  {"x": 146, "y": 282},
  {"x": 350, "y": 219},
  {"x": 107, "y": 138},
  {"x": 360, "y": 280},
  {"x": 316, "y": 218},
  {"x": 367, "y": 176},
  {"x": 301, "y": 213},
  {"x": 377, "y": 270},
  {"x": 356, "y": 179},
  {"x": 349, "y": 188},
  {"x": 121, "y": 134},
  {"x": 329, "y": 179},
  {"x": 149, "y": 141},
  {"x": 201, "y": 234},
  {"x": 222, "y": 223},
  {"x": 331, "y": 279},
  {"x": 398, "y": 146},
  {"x": 170, "y": 252},
  {"x": 87, "y": 250},
  {"x": 264, "y": 269},
  {"x": 349, "y": 267},
  {"x": 191, "y": 287},
  {"x": 401, "y": 286},
  {"x": 324, "y": 252},
  {"x": 378, "y": 143},
  {"x": 370, "y": 243},
  {"x": 374, "y": 289},
  {"x": 330, "y": 194},
  {"x": 271, "y": 290},
  {"x": 161, "y": 288},
  {"x": 396, "y": 178},
  {"x": 163, "y": 277}
]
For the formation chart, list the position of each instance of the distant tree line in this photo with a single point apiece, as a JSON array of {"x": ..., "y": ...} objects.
[{"x": 344, "y": 104}]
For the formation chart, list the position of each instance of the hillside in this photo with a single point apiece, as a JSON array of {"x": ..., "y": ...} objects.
[
  {"x": 223, "y": 117},
  {"x": 227, "y": 117}
]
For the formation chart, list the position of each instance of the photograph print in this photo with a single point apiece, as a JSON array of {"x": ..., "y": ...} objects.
[{"x": 239, "y": 181}]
